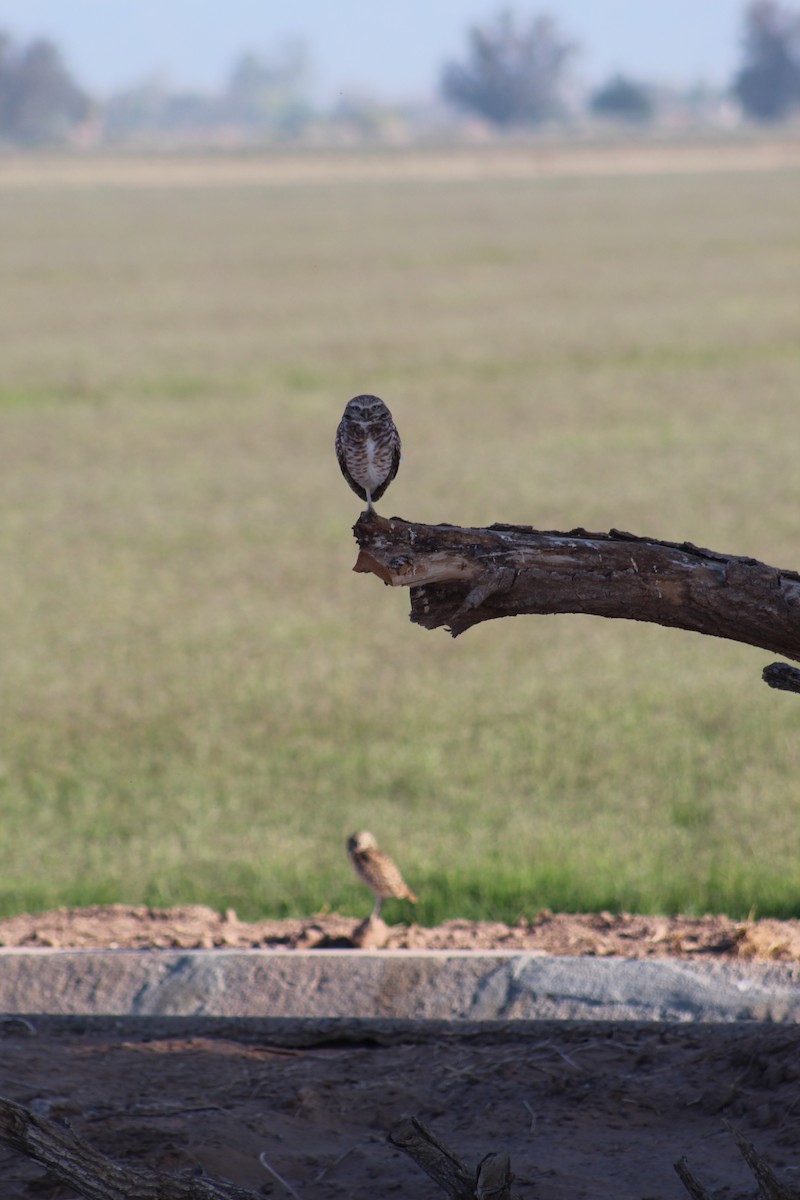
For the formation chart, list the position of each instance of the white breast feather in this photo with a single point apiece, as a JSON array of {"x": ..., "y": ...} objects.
[{"x": 374, "y": 473}]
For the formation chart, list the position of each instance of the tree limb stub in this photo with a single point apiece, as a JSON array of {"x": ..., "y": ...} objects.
[
  {"x": 460, "y": 577},
  {"x": 434, "y": 1158},
  {"x": 782, "y": 676},
  {"x": 93, "y": 1174},
  {"x": 769, "y": 1186},
  {"x": 491, "y": 1180}
]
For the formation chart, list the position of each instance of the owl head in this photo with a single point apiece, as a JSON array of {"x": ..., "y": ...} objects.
[
  {"x": 359, "y": 842},
  {"x": 365, "y": 408}
]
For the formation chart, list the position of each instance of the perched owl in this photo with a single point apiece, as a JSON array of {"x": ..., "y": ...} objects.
[
  {"x": 377, "y": 870},
  {"x": 368, "y": 447}
]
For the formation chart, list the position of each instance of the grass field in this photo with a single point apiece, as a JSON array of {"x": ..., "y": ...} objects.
[{"x": 200, "y": 700}]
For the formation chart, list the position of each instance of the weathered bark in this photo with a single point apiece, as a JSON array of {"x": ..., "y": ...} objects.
[
  {"x": 491, "y": 1179},
  {"x": 782, "y": 676},
  {"x": 692, "y": 1185},
  {"x": 93, "y": 1174},
  {"x": 459, "y": 577},
  {"x": 769, "y": 1186}
]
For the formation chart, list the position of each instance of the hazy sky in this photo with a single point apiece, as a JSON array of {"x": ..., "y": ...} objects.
[{"x": 390, "y": 48}]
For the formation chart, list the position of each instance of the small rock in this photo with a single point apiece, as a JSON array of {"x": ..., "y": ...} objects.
[{"x": 372, "y": 934}]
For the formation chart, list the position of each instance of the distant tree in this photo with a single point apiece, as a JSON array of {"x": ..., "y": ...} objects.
[
  {"x": 152, "y": 105},
  {"x": 622, "y": 99},
  {"x": 39, "y": 100},
  {"x": 367, "y": 117},
  {"x": 262, "y": 94},
  {"x": 514, "y": 71},
  {"x": 135, "y": 108},
  {"x": 270, "y": 92},
  {"x": 768, "y": 84}
]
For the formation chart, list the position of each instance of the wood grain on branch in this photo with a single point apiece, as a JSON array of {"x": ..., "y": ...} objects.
[
  {"x": 491, "y": 1179},
  {"x": 434, "y": 1158},
  {"x": 93, "y": 1174},
  {"x": 460, "y": 577},
  {"x": 769, "y": 1186}
]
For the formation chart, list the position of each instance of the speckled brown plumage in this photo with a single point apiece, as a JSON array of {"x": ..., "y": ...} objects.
[
  {"x": 368, "y": 447},
  {"x": 377, "y": 870}
]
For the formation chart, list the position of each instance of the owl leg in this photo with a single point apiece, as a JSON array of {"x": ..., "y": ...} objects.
[
  {"x": 376, "y": 908},
  {"x": 370, "y": 505}
]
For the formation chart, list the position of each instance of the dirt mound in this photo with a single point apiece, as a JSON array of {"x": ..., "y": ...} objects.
[{"x": 194, "y": 926}]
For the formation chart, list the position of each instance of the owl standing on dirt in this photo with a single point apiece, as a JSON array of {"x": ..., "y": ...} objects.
[
  {"x": 377, "y": 871},
  {"x": 368, "y": 447}
]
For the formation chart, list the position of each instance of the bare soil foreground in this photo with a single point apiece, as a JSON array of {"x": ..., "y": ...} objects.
[{"x": 584, "y": 1110}]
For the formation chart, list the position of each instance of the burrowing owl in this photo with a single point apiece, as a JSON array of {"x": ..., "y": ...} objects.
[
  {"x": 368, "y": 447},
  {"x": 377, "y": 870}
]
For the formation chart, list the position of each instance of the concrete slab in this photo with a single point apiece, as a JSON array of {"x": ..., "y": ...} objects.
[{"x": 430, "y": 985}]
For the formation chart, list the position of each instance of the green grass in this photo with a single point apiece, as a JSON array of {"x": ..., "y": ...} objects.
[{"x": 200, "y": 700}]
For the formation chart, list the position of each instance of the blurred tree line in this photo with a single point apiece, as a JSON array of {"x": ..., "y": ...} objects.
[
  {"x": 514, "y": 72},
  {"x": 260, "y": 93},
  {"x": 40, "y": 102},
  {"x": 768, "y": 83}
]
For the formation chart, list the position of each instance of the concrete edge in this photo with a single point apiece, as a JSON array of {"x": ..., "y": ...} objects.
[{"x": 470, "y": 986}]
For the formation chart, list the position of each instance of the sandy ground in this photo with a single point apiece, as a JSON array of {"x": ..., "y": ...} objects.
[{"x": 585, "y": 1110}]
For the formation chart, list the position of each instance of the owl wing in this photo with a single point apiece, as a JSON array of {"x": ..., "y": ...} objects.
[
  {"x": 393, "y": 469},
  {"x": 391, "y": 877},
  {"x": 341, "y": 458}
]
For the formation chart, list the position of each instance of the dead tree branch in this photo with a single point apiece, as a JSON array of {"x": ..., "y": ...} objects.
[
  {"x": 459, "y": 577},
  {"x": 769, "y": 1186},
  {"x": 491, "y": 1180},
  {"x": 95, "y": 1176},
  {"x": 692, "y": 1185},
  {"x": 782, "y": 676}
]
